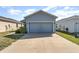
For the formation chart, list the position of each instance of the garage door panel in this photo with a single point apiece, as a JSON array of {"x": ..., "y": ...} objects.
[
  {"x": 34, "y": 27},
  {"x": 47, "y": 27},
  {"x": 41, "y": 27}
]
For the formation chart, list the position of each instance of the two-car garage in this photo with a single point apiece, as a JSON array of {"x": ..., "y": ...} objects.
[
  {"x": 40, "y": 22},
  {"x": 40, "y": 27}
]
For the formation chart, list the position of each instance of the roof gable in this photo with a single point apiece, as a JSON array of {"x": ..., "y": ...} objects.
[{"x": 40, "y": 11}]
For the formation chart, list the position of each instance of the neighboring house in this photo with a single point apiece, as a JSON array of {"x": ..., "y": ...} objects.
[
  {"x": 70, "y": 24},
  {"x": 40, "y": 22},
  {"x": 8, "y": 24}
]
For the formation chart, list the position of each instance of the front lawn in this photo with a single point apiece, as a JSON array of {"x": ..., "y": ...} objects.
[
  {"x": 4, "y": 33},
  {"x": 69, "y": 37},
  {"x": 6, "y": 40},
  {"x": 14, "y": 36}
]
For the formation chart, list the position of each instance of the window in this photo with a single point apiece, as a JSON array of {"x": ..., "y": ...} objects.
[
  {"x": 60, "y": 26},
  {"x": 56, "y": 25},
  {"x": 8, "y": 25},
  {"x": 16, "y": 25},
  {"x": 63, "y": 27}
]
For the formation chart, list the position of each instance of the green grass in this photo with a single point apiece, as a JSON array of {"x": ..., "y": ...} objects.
[
  {"x": 6, "y": 40},
  {"x": 4, "y": 33},
  {"x": 14, "y": 36},
  {"x": 69, "y": 37}
]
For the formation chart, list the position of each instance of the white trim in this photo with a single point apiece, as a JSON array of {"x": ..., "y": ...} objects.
[
  {"x": 27, "y": 27},
  {"x": 53, "y": 27},
  {"x": 39, "y": 21}
]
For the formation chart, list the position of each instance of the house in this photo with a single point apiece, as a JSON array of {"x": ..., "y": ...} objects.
[
  {"x": 70, "y": 24},
  {"x": 40, "y": 22},
  {"x": 8, "y": 24}
]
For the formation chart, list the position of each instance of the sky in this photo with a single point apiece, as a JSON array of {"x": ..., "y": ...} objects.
[{"x": 19, "y": 12}]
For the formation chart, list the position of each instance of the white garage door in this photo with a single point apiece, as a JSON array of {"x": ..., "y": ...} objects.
[{"x": 41, "y": 27}]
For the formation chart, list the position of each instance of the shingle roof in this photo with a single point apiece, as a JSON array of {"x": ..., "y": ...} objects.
[
  {"x": 70, "y": 18},
  {"x": 8, "y": 20}
]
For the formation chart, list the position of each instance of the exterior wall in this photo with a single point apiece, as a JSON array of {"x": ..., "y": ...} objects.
[
  {"x": 63, "y": 24},
  {"x": 71, "y": 23},
  {"x": 19, "y": 25},
  {"x": 40, "y": 17},
  {"x": 76, "y": 25},
  {"x": 7, "y": 26}
]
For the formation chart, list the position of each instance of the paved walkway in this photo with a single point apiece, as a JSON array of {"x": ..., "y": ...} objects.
[{"x": 40, "y": 43}]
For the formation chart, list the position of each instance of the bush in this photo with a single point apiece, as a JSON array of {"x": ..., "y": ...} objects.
[
  {"x": 21, "y": 30},
  {"x": 17, "y": 31}
]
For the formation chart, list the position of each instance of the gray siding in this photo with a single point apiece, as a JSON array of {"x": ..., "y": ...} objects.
[
  {"x": 69, "y": 23},
  {"x": 40, "y": 17}
]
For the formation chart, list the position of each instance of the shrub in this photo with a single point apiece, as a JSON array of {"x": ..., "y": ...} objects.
[
  {"x": 21, "y": 30},
  {"x": 17, "y": 31}
]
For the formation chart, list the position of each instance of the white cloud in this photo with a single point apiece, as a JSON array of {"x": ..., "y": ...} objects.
[
  {"x": 14, "y": 11},
  {"x": 48, "y": 8},
  {"x": 63, "y": 13},
  {"x": 66, "y": 12},
  {"x": 29, "y": 11},
  {"x": 66, "y": 8}
]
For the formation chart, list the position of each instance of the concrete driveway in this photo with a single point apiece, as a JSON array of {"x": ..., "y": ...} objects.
[{"x": 42, "y": 43}]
